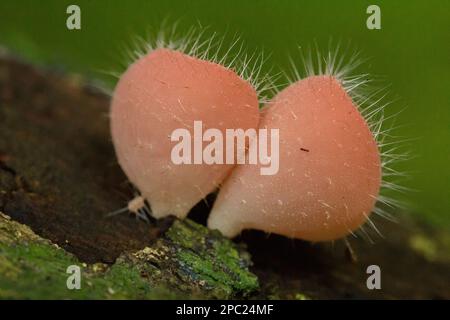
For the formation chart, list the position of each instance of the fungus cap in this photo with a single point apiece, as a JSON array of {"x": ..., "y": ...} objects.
[
  {"x": 167, "y": 90},
  {"x": 329, "y": 169}
]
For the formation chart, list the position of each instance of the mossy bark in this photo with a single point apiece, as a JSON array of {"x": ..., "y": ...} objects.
[{"x": 188, "y": 262}]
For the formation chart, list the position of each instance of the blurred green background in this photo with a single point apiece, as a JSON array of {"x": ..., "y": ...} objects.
[{"x": 411, "y": 52}]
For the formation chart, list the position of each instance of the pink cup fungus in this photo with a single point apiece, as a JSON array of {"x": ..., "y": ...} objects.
[
  {"x": 166, "y": 90},
  {"x": 329, "y": 169}
]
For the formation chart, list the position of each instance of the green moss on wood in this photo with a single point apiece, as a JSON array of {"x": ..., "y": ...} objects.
[
  {"x": 191, "y": 258},
  {"x": 34, "y": 268},
  {"x": 189, "y": 261}
]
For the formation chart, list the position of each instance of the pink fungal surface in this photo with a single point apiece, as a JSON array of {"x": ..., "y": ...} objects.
[
  {"x": 329, "y": 169},
  {"x": 163, "y": 91}
]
